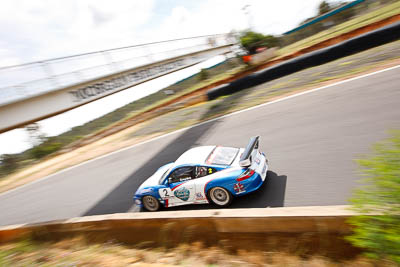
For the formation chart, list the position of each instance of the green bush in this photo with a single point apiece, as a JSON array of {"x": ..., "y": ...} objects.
[
  {"x": 203, "y": 75},
  {"x": 8, "y": 163},
  {"x": 377, "y": 230},
  {"x": 44, "y": 149},
  {"x": 252, "y": 40}
]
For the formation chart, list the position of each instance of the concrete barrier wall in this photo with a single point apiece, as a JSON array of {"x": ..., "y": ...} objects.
[{"x": 306, "y": 230}]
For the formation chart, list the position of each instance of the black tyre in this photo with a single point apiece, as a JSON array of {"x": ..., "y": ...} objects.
[
  {"x": 220, "y": 196},
  {"x": 150, "y": 203}
]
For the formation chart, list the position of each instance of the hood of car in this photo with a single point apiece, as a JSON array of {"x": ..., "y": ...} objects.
[{"x": 155, "y": 178}]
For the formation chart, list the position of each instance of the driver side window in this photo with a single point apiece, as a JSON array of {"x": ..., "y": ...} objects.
[
  {"x": 202, "y": 171},
  {"x": 181, "y": 174}
]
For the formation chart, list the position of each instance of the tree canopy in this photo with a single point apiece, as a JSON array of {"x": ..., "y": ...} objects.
[
  {"x": 324, "y": 7},
  {"x": 252, "y": 40}
]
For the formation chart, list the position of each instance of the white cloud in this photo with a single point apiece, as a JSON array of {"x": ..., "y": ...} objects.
[
  {"x": 219, "y": 16},
  {"x": 278, "y": 17},
  {"x": 47, "y": 28},
  {"x": 215, "y": 16},
  {"x": 40, "y": 29},
  {"x": 14, "y": 141},
  {"x": 7, "y": 57}
]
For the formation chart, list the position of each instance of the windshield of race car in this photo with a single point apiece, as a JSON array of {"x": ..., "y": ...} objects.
[{"x": 163, "y": 176}]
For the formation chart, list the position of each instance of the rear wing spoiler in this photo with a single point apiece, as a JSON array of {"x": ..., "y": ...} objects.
[{"x": 246, "y": 157}]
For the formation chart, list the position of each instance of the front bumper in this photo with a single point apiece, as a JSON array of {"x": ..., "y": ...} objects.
[{"x": 138, "y": 201}]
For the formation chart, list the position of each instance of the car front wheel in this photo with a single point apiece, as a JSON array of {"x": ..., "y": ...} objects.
[
  {"x": 220, "y": 196},
  {"x": 150, "y": 203}
]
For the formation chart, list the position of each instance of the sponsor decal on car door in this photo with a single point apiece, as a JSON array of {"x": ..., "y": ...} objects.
[{"x": 178, "y": 193}]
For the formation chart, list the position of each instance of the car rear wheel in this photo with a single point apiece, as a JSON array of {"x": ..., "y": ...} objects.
[
  {"x": 220, "y": 196},
  {"x": 150, "y": 203}
]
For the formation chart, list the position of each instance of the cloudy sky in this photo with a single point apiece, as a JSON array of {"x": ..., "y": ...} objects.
[
  {"x": 42, "y": 29},
  {"x": 32, "y": 30}
]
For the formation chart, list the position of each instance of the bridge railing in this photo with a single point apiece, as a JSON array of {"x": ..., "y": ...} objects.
[{"x": 22, "y": 81}]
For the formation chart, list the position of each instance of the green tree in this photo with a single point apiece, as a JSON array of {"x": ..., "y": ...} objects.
[
  {"x": 252, "y": 40},
  {"x": 324, "y": 7},
  {"x": 377, "y": 229}
]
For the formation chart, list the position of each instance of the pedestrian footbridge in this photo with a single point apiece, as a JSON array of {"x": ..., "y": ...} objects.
[{"x": 38, "y": 90}]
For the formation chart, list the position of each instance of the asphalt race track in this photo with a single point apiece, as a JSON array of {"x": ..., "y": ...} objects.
[{"x": 310, "y": 140}]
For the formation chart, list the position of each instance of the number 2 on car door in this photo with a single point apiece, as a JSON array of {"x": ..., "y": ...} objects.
[{"x": 165, "y": 192}]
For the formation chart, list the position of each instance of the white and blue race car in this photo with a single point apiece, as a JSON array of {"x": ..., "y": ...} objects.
[{"x": 205, "y": 174}]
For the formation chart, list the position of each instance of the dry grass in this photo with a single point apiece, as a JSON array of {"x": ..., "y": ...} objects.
[
  {"x": 358, "y": 22},
  {"x": 77, "y": 252}
]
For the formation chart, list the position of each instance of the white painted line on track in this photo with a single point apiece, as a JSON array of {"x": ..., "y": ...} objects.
[{"x": 218, "y": 118}]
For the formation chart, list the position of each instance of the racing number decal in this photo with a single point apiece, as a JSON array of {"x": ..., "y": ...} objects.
[
  {"x": 210, "y": 170},
  {"x": 165, "y": 192}
]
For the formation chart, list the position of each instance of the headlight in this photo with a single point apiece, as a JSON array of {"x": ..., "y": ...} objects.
[{"x": 138, "y": 202}]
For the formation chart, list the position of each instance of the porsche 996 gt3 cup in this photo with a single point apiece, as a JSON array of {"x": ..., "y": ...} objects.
[{"x": 205, "y": 174}]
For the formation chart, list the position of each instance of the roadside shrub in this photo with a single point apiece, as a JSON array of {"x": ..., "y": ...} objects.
[
  {"x": 8, "y": 163},
  {"x": 203, "y": 75},
  {"x": 377, "y": 230},
  {"x": 45, "y": 149}
]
